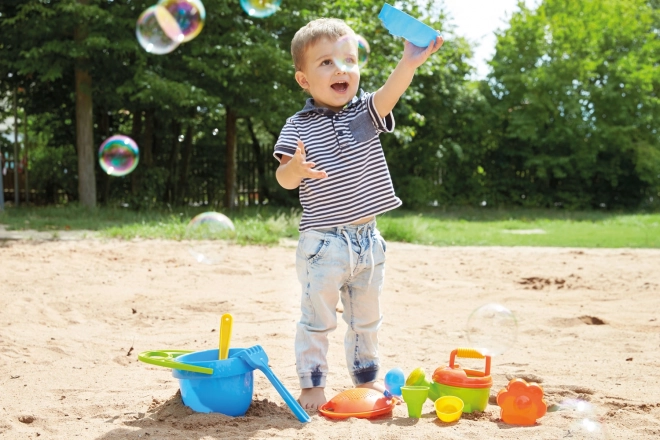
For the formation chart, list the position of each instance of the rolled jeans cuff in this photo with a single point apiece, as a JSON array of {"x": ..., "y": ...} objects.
[
  {"x": 365, "y": 376},
  {"x": 307, "y": 382}
]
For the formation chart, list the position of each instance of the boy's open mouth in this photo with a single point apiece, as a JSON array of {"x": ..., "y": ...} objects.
[{"x": 340, "y": 86}]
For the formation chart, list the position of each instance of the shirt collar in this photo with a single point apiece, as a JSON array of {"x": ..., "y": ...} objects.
[{"x": 310, "y": 107}]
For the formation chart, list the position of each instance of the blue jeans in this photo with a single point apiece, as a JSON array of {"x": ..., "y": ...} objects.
[{"x": 348, "y": 262}]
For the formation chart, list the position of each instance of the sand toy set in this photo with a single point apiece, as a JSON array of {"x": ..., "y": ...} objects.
[{"x": 221, "y": 380}]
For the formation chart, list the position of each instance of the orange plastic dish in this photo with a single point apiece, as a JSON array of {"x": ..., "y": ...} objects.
[{"x": 362, "y": 403}]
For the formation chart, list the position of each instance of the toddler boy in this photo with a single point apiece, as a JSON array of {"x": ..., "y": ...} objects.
[{"x": 330, "y": 150}]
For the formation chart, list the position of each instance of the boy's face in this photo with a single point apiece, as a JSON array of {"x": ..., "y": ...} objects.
[{"x": 329, "y": 85}]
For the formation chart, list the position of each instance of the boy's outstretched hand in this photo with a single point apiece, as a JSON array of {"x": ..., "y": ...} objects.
[
  {"x": 293, "y": 169},
  {"x": 300, "y": 166},
  {"x": 415, "y": 56}
]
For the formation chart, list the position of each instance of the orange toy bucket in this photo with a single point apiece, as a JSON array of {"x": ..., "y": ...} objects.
[{"x": 471, "y": 386}]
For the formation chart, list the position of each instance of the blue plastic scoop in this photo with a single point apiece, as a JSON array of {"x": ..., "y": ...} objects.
[
  {"x": 256, "y": 357},
  {"x": 403, "y": 25}
]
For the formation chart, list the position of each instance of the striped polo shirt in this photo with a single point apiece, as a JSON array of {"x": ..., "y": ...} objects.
[{"x": 346, "y": 146}]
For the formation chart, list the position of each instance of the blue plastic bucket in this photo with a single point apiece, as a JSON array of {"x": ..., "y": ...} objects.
[{"x": 228, "y": 390}]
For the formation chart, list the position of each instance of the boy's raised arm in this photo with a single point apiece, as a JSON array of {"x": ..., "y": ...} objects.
[{"x": 387, "y": 96}]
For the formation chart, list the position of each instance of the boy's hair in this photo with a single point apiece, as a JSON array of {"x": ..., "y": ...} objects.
[{"x": 315, "y": 30}]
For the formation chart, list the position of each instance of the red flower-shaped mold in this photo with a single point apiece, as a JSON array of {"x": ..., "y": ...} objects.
[{"x": 521, "y": 403}]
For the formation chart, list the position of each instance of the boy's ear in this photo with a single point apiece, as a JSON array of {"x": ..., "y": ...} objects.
[{"x": 301, "y": 79}]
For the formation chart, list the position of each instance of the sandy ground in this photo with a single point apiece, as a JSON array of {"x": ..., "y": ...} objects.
[{"x": 74, "y": 314}]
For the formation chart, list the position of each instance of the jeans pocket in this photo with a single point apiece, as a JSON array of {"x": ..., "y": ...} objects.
[
  {"x": 314, "y": 245},
  {"x": 383, "y": 243}
]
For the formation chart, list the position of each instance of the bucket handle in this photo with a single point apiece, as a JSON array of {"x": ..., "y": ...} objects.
[
  {"x": 469, "y": 353},
  {"x": 165, "y": 358}
]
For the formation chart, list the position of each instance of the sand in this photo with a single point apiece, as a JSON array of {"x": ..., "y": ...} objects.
[{"x": 75, "y": 313}]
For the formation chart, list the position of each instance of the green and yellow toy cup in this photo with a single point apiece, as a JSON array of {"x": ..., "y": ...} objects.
[
  {"x": 414, "y": 396},
  {"x": 418, "y": 378}
]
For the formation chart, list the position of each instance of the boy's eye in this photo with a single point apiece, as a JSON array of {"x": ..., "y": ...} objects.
[{"x": 326, "y": 62}]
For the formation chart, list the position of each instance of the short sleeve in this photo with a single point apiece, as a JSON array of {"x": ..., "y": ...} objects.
[
  {"x": 383, "y": 125},
  {"x": 288, "y": 141}
]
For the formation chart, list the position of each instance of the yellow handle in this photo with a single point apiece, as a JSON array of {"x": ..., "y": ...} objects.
[
  {"x": 469, "y": 353},
  {"x": 225, "y": 335}
]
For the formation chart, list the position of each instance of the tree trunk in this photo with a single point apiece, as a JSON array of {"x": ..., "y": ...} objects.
[
  {"x": 171, "y": 179},
  {"x": 230, "y": 168},
  {"x": 2, "y": 186},
  {"x": 27, "y": 156},
  {"x": 104, "y": 128},
  {"x": 185, "y": 163},
  {"x": 84, "y": 126},
  {"x": 147, "y": 147},
  {"x": 85, "y": 139},
  {"x": 16, "y": 158},
  {"x": 136, "y": 132},
  {"x": 261, "y": 168},
  {"x": 159, "y": 129}
]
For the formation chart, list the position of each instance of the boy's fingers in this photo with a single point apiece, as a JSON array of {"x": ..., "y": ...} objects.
[
  {"x": 309, "y": 172},
  {"x": 434, "y": 46},
  {"x": 438, "y": 44},
  {"x": 317, "y": 174}
]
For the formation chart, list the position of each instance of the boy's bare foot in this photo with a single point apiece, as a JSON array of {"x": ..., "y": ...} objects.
[
  {"x": 312, "y": 398},
  {"x": 374, "y": 386}
]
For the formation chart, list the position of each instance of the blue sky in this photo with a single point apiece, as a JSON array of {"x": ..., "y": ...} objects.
[{"x": 477, "y": 20}]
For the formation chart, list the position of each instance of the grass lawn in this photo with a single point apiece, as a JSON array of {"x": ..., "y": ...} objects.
[
  {"x": 439, "y": 227},
  {"x": 523, "y": 227}
]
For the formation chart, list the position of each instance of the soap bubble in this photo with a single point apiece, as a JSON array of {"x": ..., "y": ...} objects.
[
  {"x": 587, "y": 428},
  {"x": 158, "y": 31},
  {"x": 577, "y": 406},
  {"x": 118, "y": 155},
  {"x": 583, "y": 420},
  {"x": 189, "y": 16},
  {"x": 260, "y": 8},
  {"x": 351, "y": 52},
  {"x": 204, "y": 231},
  {"x": 492, "y": 329}
]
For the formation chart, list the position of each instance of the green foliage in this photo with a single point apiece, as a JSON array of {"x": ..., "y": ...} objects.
[
  {"x": 566, "y": 119},
  {"x": 575, "y": 93},
  {"x": 53, "y": 172}
]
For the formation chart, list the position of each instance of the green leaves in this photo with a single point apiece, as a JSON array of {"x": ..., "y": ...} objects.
[
  {"x": 567, "y": 118},
  {"x": 573, "y": 84}
]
